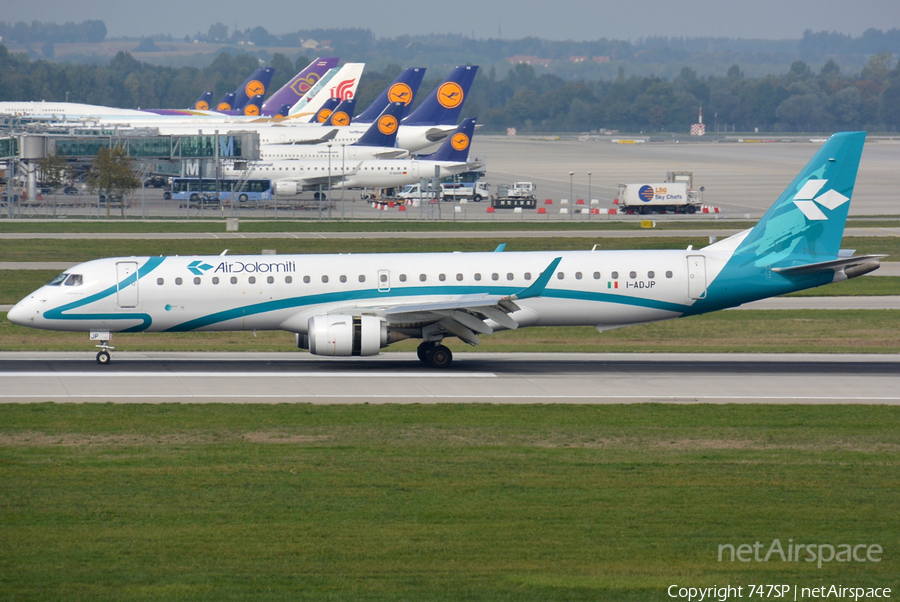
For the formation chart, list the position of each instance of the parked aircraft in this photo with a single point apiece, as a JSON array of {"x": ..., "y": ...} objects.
[{"x": 346, "y": 305}]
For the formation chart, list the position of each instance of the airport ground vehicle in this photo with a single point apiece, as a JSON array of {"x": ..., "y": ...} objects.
[
  {"x": 471, "y": 191},
  {"x": 229, "y": 189},
  {"x": 520, "y": 194},
  {"x": 675, "y": 195}
]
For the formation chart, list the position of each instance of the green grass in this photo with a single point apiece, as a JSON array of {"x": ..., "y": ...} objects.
[
  {"x": 493, "y": 503},
  {"x": 751, "y": 331}
]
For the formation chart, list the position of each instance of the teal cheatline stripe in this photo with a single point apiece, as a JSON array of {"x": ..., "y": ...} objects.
[
  {"x": 437, "y": 291},
  {"x": 59, "y": 313}
]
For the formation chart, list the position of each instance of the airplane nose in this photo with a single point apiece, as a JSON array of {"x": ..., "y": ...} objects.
[{"x": 20, "y": 314}]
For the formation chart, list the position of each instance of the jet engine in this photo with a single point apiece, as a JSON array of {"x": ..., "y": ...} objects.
[
  {"x": 286, "y": 187},
  {"x": 344, "y": 335}
]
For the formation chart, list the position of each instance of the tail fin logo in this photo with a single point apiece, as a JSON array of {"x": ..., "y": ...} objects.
[
  {"x": 323, "y": 115},
  {"x": 340, "y": 118},
  {"x": 202, "y": 106},
  {"x": 459, "y": 141},
  {"x": 254, "y": 88},
  {"x": 251, "y": 110},
  {"x": 343, "y": 90},
  {"x": 223, "y": 106},
  {"x": 450, "y": 95},
  {"x": 387, "y": 125},
  {"x": 807, "y": 201},
  {"x": 302, "y": 85},
  {"x": 400, "y": 93}
]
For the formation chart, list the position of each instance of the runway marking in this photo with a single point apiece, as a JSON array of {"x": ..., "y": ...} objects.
[
  {"x": 248, "y": 374},
  {"x": 646, "y": 398}
]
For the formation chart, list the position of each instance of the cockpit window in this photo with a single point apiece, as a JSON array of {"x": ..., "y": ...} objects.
[
  {"x": 74, "y": 280},
  {"x": 58, "y": 280}
]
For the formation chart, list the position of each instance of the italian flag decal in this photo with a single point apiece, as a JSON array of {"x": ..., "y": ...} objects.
[{"x": 612, "y": 285}]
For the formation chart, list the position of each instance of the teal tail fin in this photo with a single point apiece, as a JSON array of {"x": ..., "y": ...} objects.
[{"x": 807, "y": 222}]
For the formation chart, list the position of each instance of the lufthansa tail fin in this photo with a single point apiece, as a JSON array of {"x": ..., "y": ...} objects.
[
  {"x": 806, "y": 223},
  {"x": 256, "y": 85},
  {"x": 252, "y": 108},
  {"x": 227, "y": 102},
  {"x": 340, "y": 117},
  {"x": 327, "y": 109},
  {"x": 444, "y": 105},
  {"x": 384, "y": 131},
  {"x": 456, "y": 147},
  {"x": 202, "y": 103},
  {"x": 403, "y": 89}
]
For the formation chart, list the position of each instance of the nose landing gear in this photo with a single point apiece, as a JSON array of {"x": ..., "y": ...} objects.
[{"x": 103, "y": 357}]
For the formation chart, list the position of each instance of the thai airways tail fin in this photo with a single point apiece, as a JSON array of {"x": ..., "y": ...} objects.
[
  {"x": 255, "y": 85},
  {"x": 806, "y": 223},
  {"x": 202, "y": 103},
  {"x": 341, "y": 84},
  {"x": 384, "y": 131},
  {"x": 456, "y": 147},
  {"x": 322, "y": 115},
  {"x": 403, "y": 89},
  {"x": 340, "y": 117},
  {"x": 299, "y": 85},
  {"x": 444, "y": 105}
]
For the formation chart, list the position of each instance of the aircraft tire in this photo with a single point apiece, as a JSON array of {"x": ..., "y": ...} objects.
[
  {"x": 423, "y": 349},
  {"x": 439, "y": 357},
  {"x": 103, "y": 358}
]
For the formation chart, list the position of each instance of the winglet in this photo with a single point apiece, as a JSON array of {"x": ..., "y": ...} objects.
[
  {"x": 500, "y": 248},
  {"x": 536, "y": 289}
]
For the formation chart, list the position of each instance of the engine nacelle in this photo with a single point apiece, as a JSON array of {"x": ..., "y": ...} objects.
[
  {"x": 344, "y": 335},
  {"x": 285, "y": 187}
]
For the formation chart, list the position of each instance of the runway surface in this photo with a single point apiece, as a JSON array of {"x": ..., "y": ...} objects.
[{"x": 30, "y": 377}]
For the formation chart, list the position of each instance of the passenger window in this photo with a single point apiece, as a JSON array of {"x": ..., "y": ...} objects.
[
  {"x": 288, "y": 279},
  {"x": 577, "y": 275},
  {"x": 668, "y": 274},
  {"x": 306, "y": 280},
  {"x": 234, "y": 280},
  {"x": 651, "y": 274},
  {"x": 442, "y": 277},
  {"x": 495, "y": 276},
  {"x": 196, "y": 279},
  {"x": 615, "y": 275},
  {"x": 478, "y": 277},
  {"x": 178, "y": 281},
  {"x": 74, "y": 280},
  {"x": 459, "y": 277},
  {"x": 59, "y": 280},
  {"x": 215, "y": 280},
  {"x": 343, "y": 278},
  {"x": 160, "y": 281},
  {"x": 422, "y": 277},
  {"x": 596, "y": 275},
  {"x": 632, "y": 274},
  {"x": 252, "y": 279},
  {"x": 362, "y": 278},
  {"x": 510, "y": 276},
  {"x": 324, "y": 278},
  {"x": 560, "y": 275},
  {"x": 402, "y": 278},
  {"x": 270, "y": 279},
  {"x": 527, "y": 275}
]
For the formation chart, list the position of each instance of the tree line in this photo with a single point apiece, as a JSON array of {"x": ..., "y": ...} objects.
[{"x": 797, "y": 101}]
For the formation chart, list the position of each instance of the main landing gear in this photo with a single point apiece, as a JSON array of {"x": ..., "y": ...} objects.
[{"x": 434, "y": 354}]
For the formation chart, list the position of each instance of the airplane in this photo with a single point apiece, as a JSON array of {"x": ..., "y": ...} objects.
[
  {"x": 299, "y": 85},
  {"x": 255, "y": 85},
  {"x": 377, "y": 143},
  {"x": 356, "y": 304},
  {"x": 291, "y": 176},
  {"x": 402, "y": 89},
  {"x": 202, "y": 103}
]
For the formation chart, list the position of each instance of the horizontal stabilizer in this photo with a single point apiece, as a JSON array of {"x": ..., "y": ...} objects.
[{"x": 823, "y": 266}]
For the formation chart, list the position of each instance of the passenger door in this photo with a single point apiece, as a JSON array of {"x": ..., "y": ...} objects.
[{"x": 127, "y": 291}]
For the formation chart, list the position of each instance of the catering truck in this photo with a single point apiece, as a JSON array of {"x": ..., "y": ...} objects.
[{"x": 675, "y": 195}]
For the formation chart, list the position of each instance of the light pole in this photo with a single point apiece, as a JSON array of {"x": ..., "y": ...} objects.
[
  {"x": 571, "y": 196},
  {"x": 589, "y": 189},
  {"x": 329, "y": 180},
  {"x": 343, "y": 176},
  {"x": 716, "y": 122}
]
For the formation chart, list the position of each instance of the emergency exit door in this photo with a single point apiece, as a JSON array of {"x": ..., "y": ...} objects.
[
  {"x": 696, "y": 276},
  {"x": 127, "y": 283}
]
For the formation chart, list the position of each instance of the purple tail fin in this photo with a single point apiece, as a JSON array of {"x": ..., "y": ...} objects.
[{"x": 299, "y": 85}]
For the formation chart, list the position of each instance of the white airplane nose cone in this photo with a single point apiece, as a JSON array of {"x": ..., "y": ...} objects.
[{"x": 20, "y": 315}]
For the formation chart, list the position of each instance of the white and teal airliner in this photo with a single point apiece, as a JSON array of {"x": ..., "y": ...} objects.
[{"x": 357, "y": 304}]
